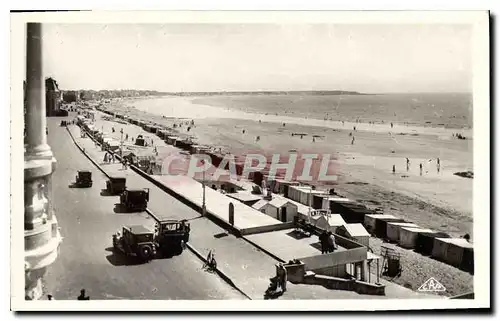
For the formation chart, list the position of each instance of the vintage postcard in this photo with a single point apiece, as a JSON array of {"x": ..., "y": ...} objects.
[{"x": 250, "y": 160}]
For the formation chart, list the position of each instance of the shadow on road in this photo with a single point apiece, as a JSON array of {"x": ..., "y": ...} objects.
[
  {"x": 105, "y": 192},
  {"x": 120, "y": 209},
  {"x": 117, "y": 258},
  {"x": 221, "y": 235}
]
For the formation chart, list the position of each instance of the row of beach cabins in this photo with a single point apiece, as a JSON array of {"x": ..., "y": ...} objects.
[
  {"x": 457, "y": 252},
  {"x": 290, "y": 201}
]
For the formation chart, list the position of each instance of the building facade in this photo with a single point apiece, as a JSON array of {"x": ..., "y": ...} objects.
[{"x": 52, "y": 97}]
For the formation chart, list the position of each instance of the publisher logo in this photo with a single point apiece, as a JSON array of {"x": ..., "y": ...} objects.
[{"x": 432, "y": 285}]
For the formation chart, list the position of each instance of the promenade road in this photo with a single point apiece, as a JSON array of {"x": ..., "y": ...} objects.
[{"x": 87, "y": 222}]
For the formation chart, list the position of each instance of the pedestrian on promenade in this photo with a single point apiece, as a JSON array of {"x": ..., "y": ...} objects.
[
  {"x": 82, "y": 296},
  {"x": 323, "y": 240},
  {"x": 50, "y": 298},
  {"x": 282, "y": 276},
  {"x": 331, "y": 242}
]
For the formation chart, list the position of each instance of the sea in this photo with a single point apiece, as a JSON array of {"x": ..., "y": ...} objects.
[{"x": 448, "y": 110}]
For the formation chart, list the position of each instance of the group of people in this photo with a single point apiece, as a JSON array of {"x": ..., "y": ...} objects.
[
  {"x": 327, "y": 241},
  {"x": 108, "y": 158}
]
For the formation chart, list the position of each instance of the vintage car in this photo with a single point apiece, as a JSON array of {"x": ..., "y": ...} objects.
[
  {"x": 135, "y": 199},
  {"x": 84, "y": 178},
  {"x": 116, "y": 185},
  {"x": 136, "y": 241},
  {"x": 172, "y": 235}
]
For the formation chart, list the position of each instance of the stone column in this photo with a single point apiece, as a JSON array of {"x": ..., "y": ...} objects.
[{"x": 41, "y": 232}]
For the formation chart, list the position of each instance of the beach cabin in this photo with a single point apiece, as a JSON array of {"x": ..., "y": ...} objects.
[
  {"x": 326, "y": 201},
  {"x": 351, "y": 212},
  {"x": 468, "y": 260},
  {"x": 370, "y": 221},
  {"x": 304, "y": 195},
  {"x": 185, "y": 144},
  {"x": 281, "y": 209},
  {"x": 327, "y": 222},
  {"x": 408, "y": 236},
  {"x": 393, "y": 229},
  {"x": 451, "y": 250},
  {"x": 381, "y": 225},
  {"x": 261, "y": 206},
  {"x": 356, "y": 232},
  {"x": 246, "y": 198},
  {"x": 171, "y": 140},
  {"x": 281, "y": 186},
  {"x": 425, "y": 242},
  {"x": 199, "y": 149}
]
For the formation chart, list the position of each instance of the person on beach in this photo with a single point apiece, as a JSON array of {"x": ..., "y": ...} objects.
[
  {"x": 314, "y": 139},
  {"x": 353, "y": 139},
  {"x": 243, "y": 131},
  {"x": 257, "y": 138},
  {"x": 407, "y": 164},
  {"x": 394, "y": 169},
  {"x": 438, "y": 165},
  {"x": 126, "y": 136},
  {"x": 342, "y": 123},
  {"x": 421, "y": 168}
]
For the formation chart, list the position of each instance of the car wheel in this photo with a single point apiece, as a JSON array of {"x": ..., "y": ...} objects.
[{"x": 146, "y": 253}]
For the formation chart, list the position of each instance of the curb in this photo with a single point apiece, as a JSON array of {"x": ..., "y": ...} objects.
[
  {"x": 87, "y": 155},
  {"x": 221, "y": 274}
]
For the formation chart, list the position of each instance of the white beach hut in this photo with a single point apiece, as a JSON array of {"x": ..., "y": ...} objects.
[
  {"x": 408, "y": 236},
  {"x": 355, "y": 231},
  {"x": 394, "y": 228},
  {"x": 328, "y": 222},
  {"x": 450, "y": 250},
  {"x": 281, "y": 209},
  {"x": 371, "y": 220}
]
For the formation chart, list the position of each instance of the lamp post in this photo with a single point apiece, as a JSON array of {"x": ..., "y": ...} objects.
[{"x": 41, "y": 231}]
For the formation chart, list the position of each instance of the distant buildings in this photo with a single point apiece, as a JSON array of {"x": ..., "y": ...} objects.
[{"x": 53, "y": 97}]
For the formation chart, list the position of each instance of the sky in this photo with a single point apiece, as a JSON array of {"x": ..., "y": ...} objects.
[{"x": 254, "y": 57}]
